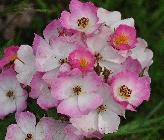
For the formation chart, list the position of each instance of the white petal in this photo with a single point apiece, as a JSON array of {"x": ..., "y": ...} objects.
[
  {"x": 26, "y": 121},
  {"x": 108, "y": 122},
  {"x": 108, "y": 17},
  {"x": 142, "y": 53},
  {"x": 86, "y": 123},
  {"x": 25, "y": 64},
  {"x": 128, "y": 21}
]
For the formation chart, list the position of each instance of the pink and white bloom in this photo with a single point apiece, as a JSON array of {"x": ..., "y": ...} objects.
[
  {"x": 25, "y": 64},
  {"x": 124, "y": 37},
  {"x": 105, "y": 55},
  {"x": 130, "y": 90},
  {"x": 55, "y": 30},
  {"x": 12, "y": 96},
  {"x": 142, "y": 53},
  {"x": 82, "y": 17},
  {"x": 77, "y": 92},
  {"x": 40, "y": 90},
  {"x": 27, "y": 129},
  {"x": 53, "y": 55},
  {"x": 104, "y": 119},
  {"x": 108, "y": 17},
  {"x": 82, "y": 59},
  {"x": 10, "y": 55}
]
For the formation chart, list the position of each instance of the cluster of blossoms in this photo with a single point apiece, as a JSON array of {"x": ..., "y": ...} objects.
[{"x": 89, "y": 64}]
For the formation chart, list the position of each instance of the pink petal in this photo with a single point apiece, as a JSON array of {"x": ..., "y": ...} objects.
[
  {"x": 14, "y": 133},
  {"x": 26, "y": 122},
  {"x": 89, "y": 102},
  {"x": 69, "y": 107}
]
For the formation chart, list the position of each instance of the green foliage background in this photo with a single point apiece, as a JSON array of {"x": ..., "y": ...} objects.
[{"x": 148, "y": 122}]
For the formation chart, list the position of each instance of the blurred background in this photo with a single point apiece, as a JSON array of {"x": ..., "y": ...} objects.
[{"x": 20, "y": 19}]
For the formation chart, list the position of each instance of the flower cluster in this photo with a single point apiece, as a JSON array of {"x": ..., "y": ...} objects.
[{"x": 89, "y": 64}]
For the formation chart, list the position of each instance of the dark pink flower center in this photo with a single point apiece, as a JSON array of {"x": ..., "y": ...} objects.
[
  {"x": 121, "y": 39},
  {"x": 83, "y": 63}
]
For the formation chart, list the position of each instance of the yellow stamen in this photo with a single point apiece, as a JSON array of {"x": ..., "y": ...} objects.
[
  {"x": 121, "y": 39},
  {"x": 83, "y": 63},
  {"x": 125, "y": 92}
]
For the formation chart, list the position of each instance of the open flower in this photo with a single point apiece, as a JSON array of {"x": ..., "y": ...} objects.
[
  {"x": 105, "y": 55},
  {"x": 25, "y": 64},
  {"x": 27, "y": 129},
  {"x": 82, "y": 17},
  {"x": 82, "y": 59},
  {"x": 12, "y": 96},
  {"x": 130, "y": 90},
  {"x": 104, "y": 119},
  {"x": 10, "y": 55},
  {"x": 77, "y": 92},
  {"x": 53, "y": 55},
  {"x": 41, "y": 91},
  {"x": 124, "y": 37},
  {"x": 55, "y": 30}
]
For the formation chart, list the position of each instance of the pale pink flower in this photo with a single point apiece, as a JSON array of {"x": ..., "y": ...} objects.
[
  {"x": 130, "y": 90},
  {"x": 55, "y": 30},
  {"x": 105, "y": 55},
  {"x": 9, "y": 56},
  {"x": 12, "y": 96},
  {"x": 82, "y": 59},
  {"x": 77, "y": 92},
  {"x": 25, "y": 64},
  {"x": 82, "y": 17},
  {"x": 142, "y": 53},
  {"x": 104, "y": 119},
  {"x": 53, "y": 55},
  {"x": 27, "y": 129},
  {"x": 40, "y": 90},
  {"x": 124, "y": 37}
]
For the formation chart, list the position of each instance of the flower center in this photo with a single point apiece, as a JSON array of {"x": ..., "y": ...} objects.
[
  {"x": 62, "y": 61},
  {"x": 101, "y": 109},
  {"x": 28, "y": 137},
  {"x": 83, "y": 63},
  {"x": 83, "y": 22},
  {"x": 77, "y": 90},
  {"x": 121, "y": 39},
  {"x": 98, "y": 56},
  {"x": 125, "y": 92},
  {"x": 10, "y": 94}
]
